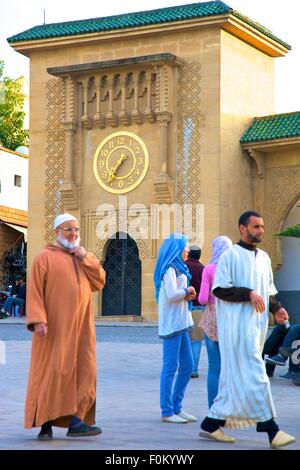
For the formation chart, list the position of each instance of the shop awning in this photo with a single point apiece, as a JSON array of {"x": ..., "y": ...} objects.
[{"x": 18, "y": 228}]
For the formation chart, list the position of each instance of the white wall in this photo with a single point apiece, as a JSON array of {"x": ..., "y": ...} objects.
[
  {"x": 288, "y": 277},
  {"x": 11, "y": 195}
]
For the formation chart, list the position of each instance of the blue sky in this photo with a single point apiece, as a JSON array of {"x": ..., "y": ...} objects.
[{"x": 280, "y": 16}]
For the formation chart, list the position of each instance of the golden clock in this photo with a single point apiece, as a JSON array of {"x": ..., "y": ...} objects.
[{"x": 121, "y": 162}]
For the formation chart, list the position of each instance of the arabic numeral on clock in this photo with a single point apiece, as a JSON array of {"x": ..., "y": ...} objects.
[
  {"x": 104, "y": 174},
  {"x": 137, "y": 149},
  {"x": 121, "y": 140},
  {"x": 101, "y": 163},
  {"x": 137, "y": 172},
  {"x": 104, "y": 153},
  {"x": 140, "y": 161},
  {"x": 130, "y": 180},
  {"x": 120, "y": 184},
  {"x": 111, "y": 144}
]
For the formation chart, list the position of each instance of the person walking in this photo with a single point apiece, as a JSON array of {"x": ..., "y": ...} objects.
[
  {"x": 243, "y": 285},
  {"x": 62, "y": 378},
  {"x": 208, "y": 321},
  {"x": 196, "y": 334},
  {"x": 171, "y": 278}
]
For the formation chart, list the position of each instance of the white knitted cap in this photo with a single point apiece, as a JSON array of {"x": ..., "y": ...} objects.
[{"x": 60, "y": 219}]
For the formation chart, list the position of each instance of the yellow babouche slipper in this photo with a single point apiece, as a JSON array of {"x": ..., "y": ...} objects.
[
  {"x": 218, "y": 435},
  {"x": 174, "y": 419},
  {"x": 282, "y": 439}
]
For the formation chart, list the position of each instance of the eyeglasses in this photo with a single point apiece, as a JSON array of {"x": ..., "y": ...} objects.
[{"x": 70, "y": 229}]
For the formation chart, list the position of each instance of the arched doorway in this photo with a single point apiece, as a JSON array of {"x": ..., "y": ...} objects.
[
  {"x": 287, "y": 277},
  {"x": 122, "y": 292}
]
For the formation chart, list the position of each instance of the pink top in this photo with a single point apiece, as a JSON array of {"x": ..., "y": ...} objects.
[
  {"x": 208, "y": 275},
  {"x": 208, "y": 321}
]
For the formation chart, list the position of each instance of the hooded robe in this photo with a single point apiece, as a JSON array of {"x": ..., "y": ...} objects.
[{"x": 62, "y": 376}]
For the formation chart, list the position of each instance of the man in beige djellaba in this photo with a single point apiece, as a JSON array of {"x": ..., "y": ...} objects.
[{"x": 62, "y": 378}]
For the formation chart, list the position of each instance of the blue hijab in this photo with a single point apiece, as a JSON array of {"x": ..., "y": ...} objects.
[{"x": 170, "y": 256}]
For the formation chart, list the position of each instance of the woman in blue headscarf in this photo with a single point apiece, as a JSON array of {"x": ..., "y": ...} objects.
[{"x": 171, "y": 276}]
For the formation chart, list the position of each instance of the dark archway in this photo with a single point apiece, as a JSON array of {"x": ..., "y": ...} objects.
[{"x": 122, "y": 292}]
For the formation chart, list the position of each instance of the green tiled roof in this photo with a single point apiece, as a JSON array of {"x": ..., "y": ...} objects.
[
  {"x": 127, "y": 20},
  {"x": 276, "y": 126},
  {"x": 131, "y": 20},
  {"x": 260, "y": 28}
]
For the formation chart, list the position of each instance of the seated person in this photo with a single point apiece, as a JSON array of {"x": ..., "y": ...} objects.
[
  {"x": 17, "y": 295},
  {"x": 284, "y": 350},
  {"x": 288, "y": 351},
  {"x": 272, "y": 345}
]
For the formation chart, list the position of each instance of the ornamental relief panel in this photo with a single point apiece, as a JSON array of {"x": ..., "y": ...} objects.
[
  {"x": 97, "y": 245},
  {"x": 189, "y": 138},
  {"x": 113, "y": 99},
  {"x": 55, "y": 154},
  {"x": 283, "y": 190}
]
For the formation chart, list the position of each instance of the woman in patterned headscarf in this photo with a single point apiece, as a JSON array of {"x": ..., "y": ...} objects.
[
  {"x": 171, "y": 279},
  {"x": 208, "y": 321}
]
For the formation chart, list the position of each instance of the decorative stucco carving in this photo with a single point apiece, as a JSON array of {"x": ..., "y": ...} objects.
[
  {"x": 55, "y": 154},
  {"x": 97, "y": 245},
  {"x": 189, "y": 138},
  {"x": 113, "y": 98},
  {"x": 126, "y": 90},
  {"x": 283, "y": 188}
]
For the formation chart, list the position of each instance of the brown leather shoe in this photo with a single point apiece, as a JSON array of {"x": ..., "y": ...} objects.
[
  {"x": 218, "y": 435},
  {"x": 282, "y": 439}
]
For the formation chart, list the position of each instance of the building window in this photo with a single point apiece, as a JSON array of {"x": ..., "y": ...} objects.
[{"x": 18, "y": 181}]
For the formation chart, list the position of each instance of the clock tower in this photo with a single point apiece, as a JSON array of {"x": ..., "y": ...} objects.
[
  {"x": 138, "y": 114},
  {"x": 119, "y": 124}
]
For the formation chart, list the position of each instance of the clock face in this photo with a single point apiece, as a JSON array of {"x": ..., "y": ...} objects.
[{"x": 121, "y": 162}]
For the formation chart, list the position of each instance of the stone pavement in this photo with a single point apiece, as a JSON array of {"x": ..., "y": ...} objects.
[{"x": 128, "y": 404}]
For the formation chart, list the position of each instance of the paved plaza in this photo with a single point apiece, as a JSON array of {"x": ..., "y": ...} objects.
[{"x": 129, "y": 363}]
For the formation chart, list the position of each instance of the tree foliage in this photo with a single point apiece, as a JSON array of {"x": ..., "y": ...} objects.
[
  {"x": 12, "y": 133},
  {"x": 293, "y": 231}
]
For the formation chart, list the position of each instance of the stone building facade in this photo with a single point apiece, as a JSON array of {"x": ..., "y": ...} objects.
[{"x": 132, "y": 113}]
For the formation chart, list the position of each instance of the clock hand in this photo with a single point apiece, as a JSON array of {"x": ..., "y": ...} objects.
[{"x": 114, "y": 169}]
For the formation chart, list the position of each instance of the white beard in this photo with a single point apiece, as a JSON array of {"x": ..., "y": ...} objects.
[{"x": 67, "y": 244}]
